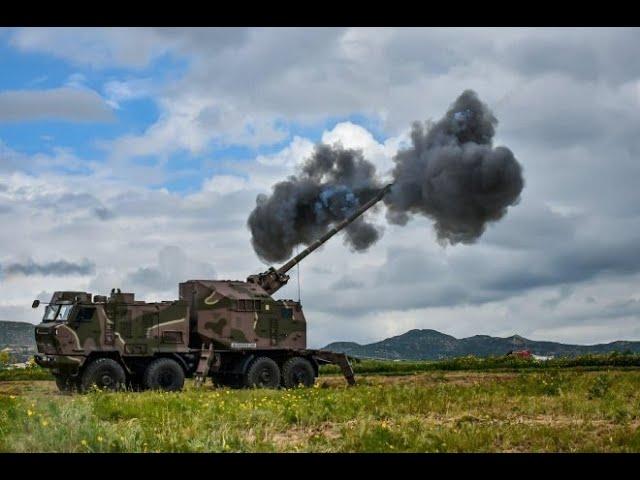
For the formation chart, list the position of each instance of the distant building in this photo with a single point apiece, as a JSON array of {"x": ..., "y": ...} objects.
[
  {"x": 20, "y": 365},
  {"x": 520, "y": 354},
  {"x": 542, "y": 358}
]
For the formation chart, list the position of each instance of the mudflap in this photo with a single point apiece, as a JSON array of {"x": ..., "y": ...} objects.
[{"x": 339, "y": 359}]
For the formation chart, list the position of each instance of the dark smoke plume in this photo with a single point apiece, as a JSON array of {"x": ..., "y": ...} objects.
[
  {"x": 454, "y": 175},
  {"x": 451, "y": 174},
  {"x": 60, "y": 267},
  {"x": 330, "y": 185}
]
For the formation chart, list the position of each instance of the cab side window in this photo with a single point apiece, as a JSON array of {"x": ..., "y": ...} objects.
[{"x": 85, "y": 314}]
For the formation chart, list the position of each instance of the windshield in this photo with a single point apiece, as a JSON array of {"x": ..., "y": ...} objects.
[{"x": 57, "y": 312}]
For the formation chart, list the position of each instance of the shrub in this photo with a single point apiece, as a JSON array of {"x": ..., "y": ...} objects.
[
  {"x": 365, "y": 366},
  {"x": 32, "y": 372},
  {"x": 600, "y": 387},
  {"x": 550, "y": 383}
]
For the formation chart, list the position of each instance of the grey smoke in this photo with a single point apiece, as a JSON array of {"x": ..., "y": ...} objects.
[
  {"x": 451, "y": 174},
  {"x": 103, "y": 213},
  {"x": 60, "y": 267},
  {"x": 331, "y": 184}
]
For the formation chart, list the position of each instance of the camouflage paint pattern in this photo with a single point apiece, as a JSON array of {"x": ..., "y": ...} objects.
[
  {"x": 119, "y": 324},
  {"x": 235, "y": 315},
  {"x": 230, "y": 315}
]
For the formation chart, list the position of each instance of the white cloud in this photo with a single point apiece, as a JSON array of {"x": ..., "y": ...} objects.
[
  {"x": 64, "y": 103},
  {"x": 120, "y": 91},
  {"x": 355, "y": 136},
  {"x": 290, "y": 156},
  {"x": 99, "y": 48},
  {"x": 224, "y": 184}
]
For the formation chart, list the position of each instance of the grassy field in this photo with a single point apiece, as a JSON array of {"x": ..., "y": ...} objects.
[{"x": 555, "y": 410}]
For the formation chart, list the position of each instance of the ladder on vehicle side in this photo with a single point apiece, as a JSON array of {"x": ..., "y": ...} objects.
[{"x": 204, "y": 364}]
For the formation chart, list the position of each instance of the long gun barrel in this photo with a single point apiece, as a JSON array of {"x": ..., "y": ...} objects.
[{"x": 272, "y": 280}]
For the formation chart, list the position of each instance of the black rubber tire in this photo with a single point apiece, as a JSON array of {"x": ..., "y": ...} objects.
[
  {"x": 164, "y": 374},
  {"x": 263, "y": 373},
  {"x": 105, "y": 374},
  {"x": 65, "y": 383},
  {"x": 298, "y": 371}
]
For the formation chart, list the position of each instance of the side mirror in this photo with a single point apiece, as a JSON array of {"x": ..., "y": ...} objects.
[{"x": 35, "y": 304}]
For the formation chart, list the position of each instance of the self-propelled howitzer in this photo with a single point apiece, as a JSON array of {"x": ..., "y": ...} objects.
[{"x": 232, "y": 331}]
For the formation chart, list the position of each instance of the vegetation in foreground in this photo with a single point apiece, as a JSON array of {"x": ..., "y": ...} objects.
[
  {"x": 559, "y": 411},
  {"x": 502, "y": 363},
  {"x": 31, "y": 373},
  {"x": 390, "y": 367}
]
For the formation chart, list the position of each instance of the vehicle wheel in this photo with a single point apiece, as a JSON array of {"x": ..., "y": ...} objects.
[
  {"x": 263, "y": 373},
  {"x": 164, "y": 374},
  {"x": 298, "y": 371},
  {"x": 64, "y": 383},
  {"x": 105, "y": 374}
]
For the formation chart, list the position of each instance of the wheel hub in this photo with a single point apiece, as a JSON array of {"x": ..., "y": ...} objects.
[
  {"x": 165, "y": 379},
  {"x": 265, "y": 376}
]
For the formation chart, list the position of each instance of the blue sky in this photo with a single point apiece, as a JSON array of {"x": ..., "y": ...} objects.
[
  {"x": 131, "y": 116},
  {"x": 143, "y": 150}
]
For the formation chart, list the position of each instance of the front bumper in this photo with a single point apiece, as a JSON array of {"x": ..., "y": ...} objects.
[{"x": 68, "y": 363}]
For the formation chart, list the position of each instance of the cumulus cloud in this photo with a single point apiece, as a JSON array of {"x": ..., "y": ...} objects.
[
  {"x": 66, "y": 103},
  {"x": 173, "y": 266},
  {"x": 95, "y": 47},
  {"x": 121, "y": 91},
  {"x": 121, "y": 47}
]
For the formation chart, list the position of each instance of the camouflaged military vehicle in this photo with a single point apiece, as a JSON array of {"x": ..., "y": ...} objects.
[{"x": 234, "y": 332}]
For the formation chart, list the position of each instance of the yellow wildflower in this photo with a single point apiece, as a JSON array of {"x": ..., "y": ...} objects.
[
  {"x": 44, "y": 423},
  {"x": 29, "y": 412},
  {"x": 83, "y": 442}
]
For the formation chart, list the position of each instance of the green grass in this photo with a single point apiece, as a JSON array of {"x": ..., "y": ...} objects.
[
  {"x": 555, "y": 410},
  {"x": 30, "y": 373}
]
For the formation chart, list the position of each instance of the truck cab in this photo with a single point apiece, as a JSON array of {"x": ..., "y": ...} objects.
[{"x": 78, "y": 328}]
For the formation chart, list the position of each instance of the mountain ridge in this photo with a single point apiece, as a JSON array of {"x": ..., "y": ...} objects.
[
  {"x": 415, "y": 344},
  {"x": 429, "y": 344},
  {"x": 16, "y": 334}
]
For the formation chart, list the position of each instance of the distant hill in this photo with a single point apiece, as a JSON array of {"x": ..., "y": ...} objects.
[
  {"x": 17, "y": 334},
  {"x": 434, "y": 345}
]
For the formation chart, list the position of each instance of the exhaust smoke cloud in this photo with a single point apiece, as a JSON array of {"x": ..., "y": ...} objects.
[
  {"x": 454, "y": 175},
  {"x": 451, "y": 173},
  {"x": 331, "y": 184}
]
